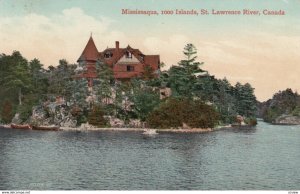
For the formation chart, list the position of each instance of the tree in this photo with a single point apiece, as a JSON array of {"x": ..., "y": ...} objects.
[
  {"x": 7, "y": 112},
  {"x": 148, "y": 72},
  {"x": 104, "y": 83},
  {"x": 60, "y": 77},
  {"x": 189, "y": 64},
  {"x": 225, "y": 102},
  {"x": 39, "y": 78},
  {"x": 284, "y": 102},
  {"x": 182, "y": 78},
  {"x": 16, "y": 75},
  {"x": 144, "y": 98},
  {"x": 122, "y": 103},
  {"x": 245, "y": 100},
  {"x": 206, "y": 88}
]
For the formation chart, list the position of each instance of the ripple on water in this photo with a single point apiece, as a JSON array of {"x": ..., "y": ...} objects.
[{"x": 264, "y": 158}]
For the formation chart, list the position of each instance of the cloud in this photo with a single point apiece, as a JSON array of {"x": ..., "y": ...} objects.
[
  {"x": 268, "y": 61},
  {"x": 170, "y": 48},
  {"x": 55, "y": 37}
]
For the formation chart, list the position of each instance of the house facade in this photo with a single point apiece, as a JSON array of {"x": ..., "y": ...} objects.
[{"x": 126, "y": 63}]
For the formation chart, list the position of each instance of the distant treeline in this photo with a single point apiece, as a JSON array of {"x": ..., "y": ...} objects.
[{"x": 284, "y": 102}]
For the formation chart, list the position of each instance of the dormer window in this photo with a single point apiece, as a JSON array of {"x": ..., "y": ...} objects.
[
  {"x": 108, "y": 55},
  {"x": 128, "y": 54},
  {"x": 141, "y": 57}
]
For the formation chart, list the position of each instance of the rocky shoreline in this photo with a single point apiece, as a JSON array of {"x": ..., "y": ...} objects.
[
  {"x": 87, "y": 127},
  {"x": 192, "y": 130},
  {"x": 287, "y": 120}
]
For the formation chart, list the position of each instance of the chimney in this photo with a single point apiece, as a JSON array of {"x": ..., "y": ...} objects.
[{"x": 117, "y": 45}]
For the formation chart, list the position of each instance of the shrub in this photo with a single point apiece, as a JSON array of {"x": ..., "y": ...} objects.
[
  {"x": 7, "y": 112},
  {"x": 174, "y": 112},
  {"x": 296, "y": 111},
  {"x": 80, "y": 114},
  {"x": 251, "y": 121},
  {"x": 25, "y": 112},
  {"x": 96, "y": 117}
]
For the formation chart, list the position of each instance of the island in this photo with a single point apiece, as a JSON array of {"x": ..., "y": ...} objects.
[{"x": 120, "y": 88}]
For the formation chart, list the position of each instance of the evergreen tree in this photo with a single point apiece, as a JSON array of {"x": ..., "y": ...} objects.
[
  {"x": 225, "y": 102},
  {"x": 206, "y": 88},
  {"x": 245, "y": 100},
  {"x": 104, "y": 83},
  {"x": 59, "y": 78},
  {"x": 39, "y": 78},
  {"x": 189, "y": 64},
  {"x": 182, "y": 78}
]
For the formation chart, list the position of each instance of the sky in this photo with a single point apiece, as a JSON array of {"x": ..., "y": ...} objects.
[{"x": 261, "y": 50}]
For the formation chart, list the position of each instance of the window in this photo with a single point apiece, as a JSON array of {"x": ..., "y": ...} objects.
[
  {"x": 141, "y": 57},
  {"x": 108, "y": 55},
  {"x": 130, "y": 68},
  {"x": 128, "y": 54}
]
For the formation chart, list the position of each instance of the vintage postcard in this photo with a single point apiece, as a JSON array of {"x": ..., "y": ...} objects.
[{"x": 149, "y": 95}]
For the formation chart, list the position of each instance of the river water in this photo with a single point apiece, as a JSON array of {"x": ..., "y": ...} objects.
[{"x": 265, "y": 158}]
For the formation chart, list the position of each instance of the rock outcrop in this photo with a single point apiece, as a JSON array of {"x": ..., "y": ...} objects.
[
  {"x": 287, "y": 120},
  {"x": 16, "y": 119},
  {"x": 52, "y": 114}
]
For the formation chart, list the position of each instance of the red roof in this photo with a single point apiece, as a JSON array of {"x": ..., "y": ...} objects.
[
  {"x": 117, "y": 53},
  {"x": 90, "y": 52},
  {"x": 111, "y": 56},
  {"x": 152, "y": 60}
]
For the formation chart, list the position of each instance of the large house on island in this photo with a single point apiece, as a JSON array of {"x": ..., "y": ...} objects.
[{"x": 126, "y": 63}]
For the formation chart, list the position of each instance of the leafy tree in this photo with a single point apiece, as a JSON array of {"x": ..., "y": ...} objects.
[
  {"x": 144, "y": 98},
  {"x": 15, "y": 76}
]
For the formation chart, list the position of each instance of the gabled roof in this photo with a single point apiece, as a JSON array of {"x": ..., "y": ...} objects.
[
  {"x": 118, "y": 53},
  {"x": 90, "y": 52}
]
